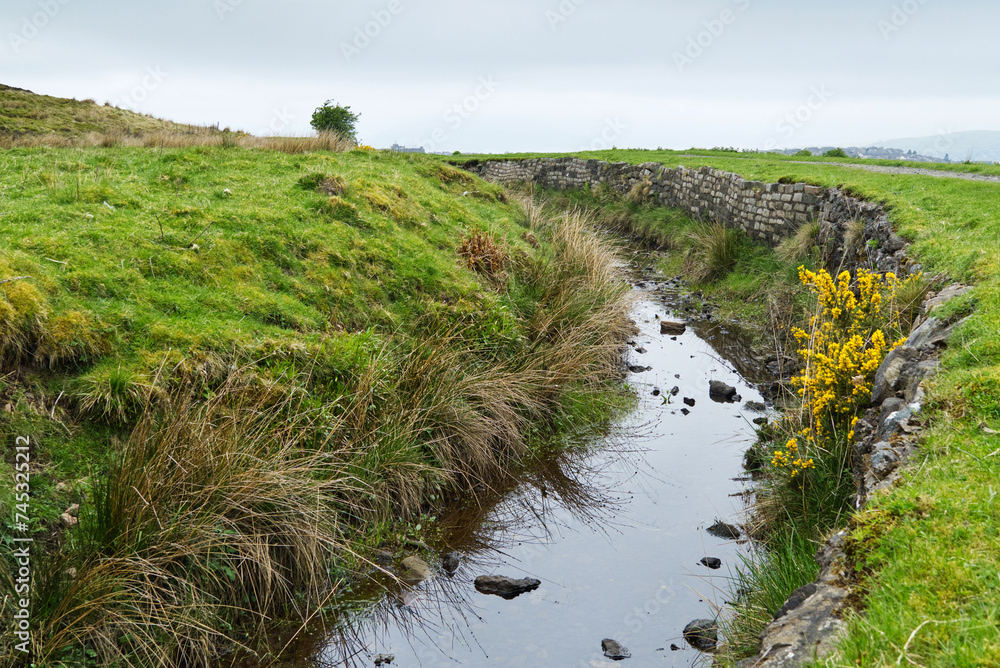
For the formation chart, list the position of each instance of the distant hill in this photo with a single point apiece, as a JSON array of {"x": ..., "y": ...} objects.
[
  {"x": 978, "y": 146},
  {"x": 23, "y": 112}
]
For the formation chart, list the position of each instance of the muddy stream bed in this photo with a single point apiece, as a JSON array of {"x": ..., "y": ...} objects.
[{"x": 615, "y": 530}]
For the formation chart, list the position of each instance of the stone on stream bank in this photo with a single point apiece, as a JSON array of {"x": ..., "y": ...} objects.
[
  {"x": 672, "y": 328},
  {"x": 614, "y": 650},
  {"x": 722, "y": 393},
  {"x": 723, "y": 530},
  {"x": 505, "y": 587},
  {"x": 450, "y": 562},
  {"x": 702, "y": 634},
  {"x": 416, "y": 570}
]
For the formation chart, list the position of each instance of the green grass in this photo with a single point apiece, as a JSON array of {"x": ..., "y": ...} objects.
[
  {"x": 930, "y": 583},
  {"x": 394, "y": 330}
]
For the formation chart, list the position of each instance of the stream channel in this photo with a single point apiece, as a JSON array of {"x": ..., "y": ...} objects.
[{"x": 615, "y": 530}]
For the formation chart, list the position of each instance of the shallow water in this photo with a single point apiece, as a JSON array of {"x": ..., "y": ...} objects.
[{"x": 614, "y": 530}]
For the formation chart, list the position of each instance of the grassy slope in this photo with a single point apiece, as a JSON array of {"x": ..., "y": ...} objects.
[
  {"x": 117, "y": 291},
  {"x": 144, "y": 270},
  {"x": 931, "y": 567},
  {"x": 27, "y": 113}
]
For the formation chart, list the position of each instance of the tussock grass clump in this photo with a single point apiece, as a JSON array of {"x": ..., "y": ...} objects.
[
  {"x": 714, "y": 250},
  {"x": 639, "y": 193},
  {"x": 799, "y": 246},
  {"x": 215, "y": 513},
  {"x": 483, "y": 254}
]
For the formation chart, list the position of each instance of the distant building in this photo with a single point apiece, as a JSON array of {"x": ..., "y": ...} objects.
[{"x": 396, "y": 148}]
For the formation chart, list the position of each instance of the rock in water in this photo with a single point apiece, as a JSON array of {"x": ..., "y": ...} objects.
[
  {"x": 689, "y": 401},
  {"x": 505, "y": 587},
  {"x": 721, "y": 392},
  {"x": 384, "y": 658},
  {"x": 672, "y": 328},
  {"x": 702, "y": 634},
  {"x": 614, "y": 650},
  {"x": 416, "y": 571},
  {"x": 723, "y": 530},
  {"x": 712, "y": 562},
  {"x": 450, "y": 562}
]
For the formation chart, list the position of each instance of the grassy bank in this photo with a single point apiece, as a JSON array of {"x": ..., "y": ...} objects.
[
  {"x": 243, "y": 363},
  {"x": 928, "y": 592}
]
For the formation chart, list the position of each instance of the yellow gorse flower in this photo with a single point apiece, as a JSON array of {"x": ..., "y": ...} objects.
[{"x": 842, "y": 350}]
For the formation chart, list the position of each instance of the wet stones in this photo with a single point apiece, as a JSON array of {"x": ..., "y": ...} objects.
[
  {"x": 711, "y": 562},
  {"x": 672, "y": 328},
  {"x": 639, "y": 369},
  {"x": 450, "y": 562},
  {"x": 723, "y": 530},
  {"x": 688, "y": 401},
  {"x": 416, "y": 570},
  {"x": 702, "y": 634},
  {"x": 722, "y": 393},
  {"x": 614, "y": 650},
  {"x": 384, "y": 659},
  {"x": 505, "y": 587}
]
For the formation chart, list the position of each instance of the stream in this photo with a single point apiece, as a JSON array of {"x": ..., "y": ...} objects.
[{"x": 614, "y": 530}]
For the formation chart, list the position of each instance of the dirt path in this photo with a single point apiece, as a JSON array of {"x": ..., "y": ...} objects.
[{"x": 938, "y": 173}]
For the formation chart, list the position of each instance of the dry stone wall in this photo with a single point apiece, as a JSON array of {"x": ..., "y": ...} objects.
[{"x": 853, "y": 232}]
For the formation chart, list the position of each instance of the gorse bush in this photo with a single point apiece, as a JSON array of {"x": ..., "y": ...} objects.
[{"x": 841, "y": 351}]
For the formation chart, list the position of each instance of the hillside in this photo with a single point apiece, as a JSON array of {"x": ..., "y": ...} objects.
[{"x": 23, "y": 112}]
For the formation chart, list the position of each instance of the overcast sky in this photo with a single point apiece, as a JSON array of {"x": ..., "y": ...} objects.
[{"x": 527, "y": 75}]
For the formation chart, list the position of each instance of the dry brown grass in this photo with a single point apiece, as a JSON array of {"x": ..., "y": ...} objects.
[
  {"x": 219, "y": 512},
  {"x": 798, "y": 246},
  {"x": 117, "y": 137},
  {"x": 484, "y": 254}
]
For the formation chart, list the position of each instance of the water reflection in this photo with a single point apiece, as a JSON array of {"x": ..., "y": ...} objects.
[
  {"x": 613, "y": 528},
  {"x": 572, "y": 489}
]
